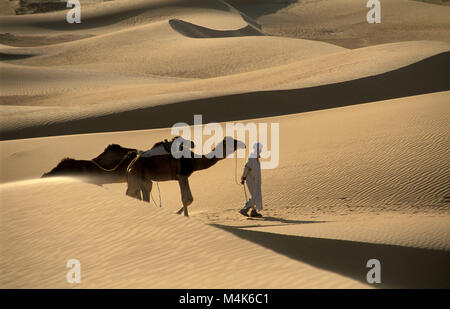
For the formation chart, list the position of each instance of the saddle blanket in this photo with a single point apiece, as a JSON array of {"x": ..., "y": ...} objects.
[{"x": 156, "y": 151}]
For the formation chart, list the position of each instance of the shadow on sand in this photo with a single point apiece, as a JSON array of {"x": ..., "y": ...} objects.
[
  {"x": 281, "y": 222},
  {"x": 6, "y": 56},
  {"x": 401, "y": 267},
  {"x": 195, "y": 31}
]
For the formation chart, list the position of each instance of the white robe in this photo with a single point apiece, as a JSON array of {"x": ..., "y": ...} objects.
[{"x": 253, "y": 181}]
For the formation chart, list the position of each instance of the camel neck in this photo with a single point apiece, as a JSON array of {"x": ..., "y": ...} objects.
[{"x": 204, "y": 163}]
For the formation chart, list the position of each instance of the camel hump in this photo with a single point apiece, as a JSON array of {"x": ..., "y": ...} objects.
[{"x": 155, "y": 151}]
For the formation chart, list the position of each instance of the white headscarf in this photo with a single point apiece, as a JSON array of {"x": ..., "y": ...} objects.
[{"x": 257, "y": 148}]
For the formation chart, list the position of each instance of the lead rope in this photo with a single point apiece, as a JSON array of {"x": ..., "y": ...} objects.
[
  {"x": 159, "y": 193},
  {"x": 115, "y": 167},
  {"x": 235, "y": 179}
]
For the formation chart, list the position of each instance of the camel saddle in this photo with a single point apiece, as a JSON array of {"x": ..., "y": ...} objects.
[{"x": 162, "y": 148}]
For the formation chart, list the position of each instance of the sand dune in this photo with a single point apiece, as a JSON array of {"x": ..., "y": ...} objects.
[
  {"x": 418, "y": 176},
  {"x": 343, "y": 22},
  {"x": 364, "y": 158},
  {"x": 143, "y": 111},
  {"x": 62, "y": 220},
  {"x": 255, "y": 52},
  {"x": 120, "y": 14},
  {"x": 333, "y": 192}
]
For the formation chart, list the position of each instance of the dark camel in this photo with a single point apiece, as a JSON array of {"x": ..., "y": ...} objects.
[
  {"x": 109, "y": 167},
  {"x": 112, "y": 155},
  {"x": 165, "y": 168}
]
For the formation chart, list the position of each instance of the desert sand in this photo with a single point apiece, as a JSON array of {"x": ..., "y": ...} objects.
[
  {"x": 364, "y": 159},
  {"x": 342, "y": 22}
]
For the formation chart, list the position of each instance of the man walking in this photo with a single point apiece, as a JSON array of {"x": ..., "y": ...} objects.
[{"x": 252, "y": 176}]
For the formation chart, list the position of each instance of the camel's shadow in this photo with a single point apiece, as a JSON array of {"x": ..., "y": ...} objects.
[{"x": 281, "y": 220}]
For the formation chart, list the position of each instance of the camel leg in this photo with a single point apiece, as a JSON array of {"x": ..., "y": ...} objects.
[
  {"x": 189, "y": 198},
  {"x": 146, "y": 188},
  {"x": 186, "y": 195},
  {"x": 133, "y": 192},
  {"x": 133, "y": 188}
]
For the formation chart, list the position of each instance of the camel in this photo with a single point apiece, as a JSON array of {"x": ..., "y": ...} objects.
[
  {"x": 165, "y": 147},
  {"x": 112, "y": 155},
  {"x": 110, "y": 166},
  {"x": 165, "y": 168}
]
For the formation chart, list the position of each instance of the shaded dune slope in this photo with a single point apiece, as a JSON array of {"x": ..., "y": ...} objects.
[
  {"x": 195, "y": 31},
  {"x": 14, "y": 56},
  {"x": 429, "y": 75}
]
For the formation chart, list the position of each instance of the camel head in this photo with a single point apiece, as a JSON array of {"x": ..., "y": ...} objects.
[
  {"x": 117, "y": 149},
  {"x": 228, "y": 146}
]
